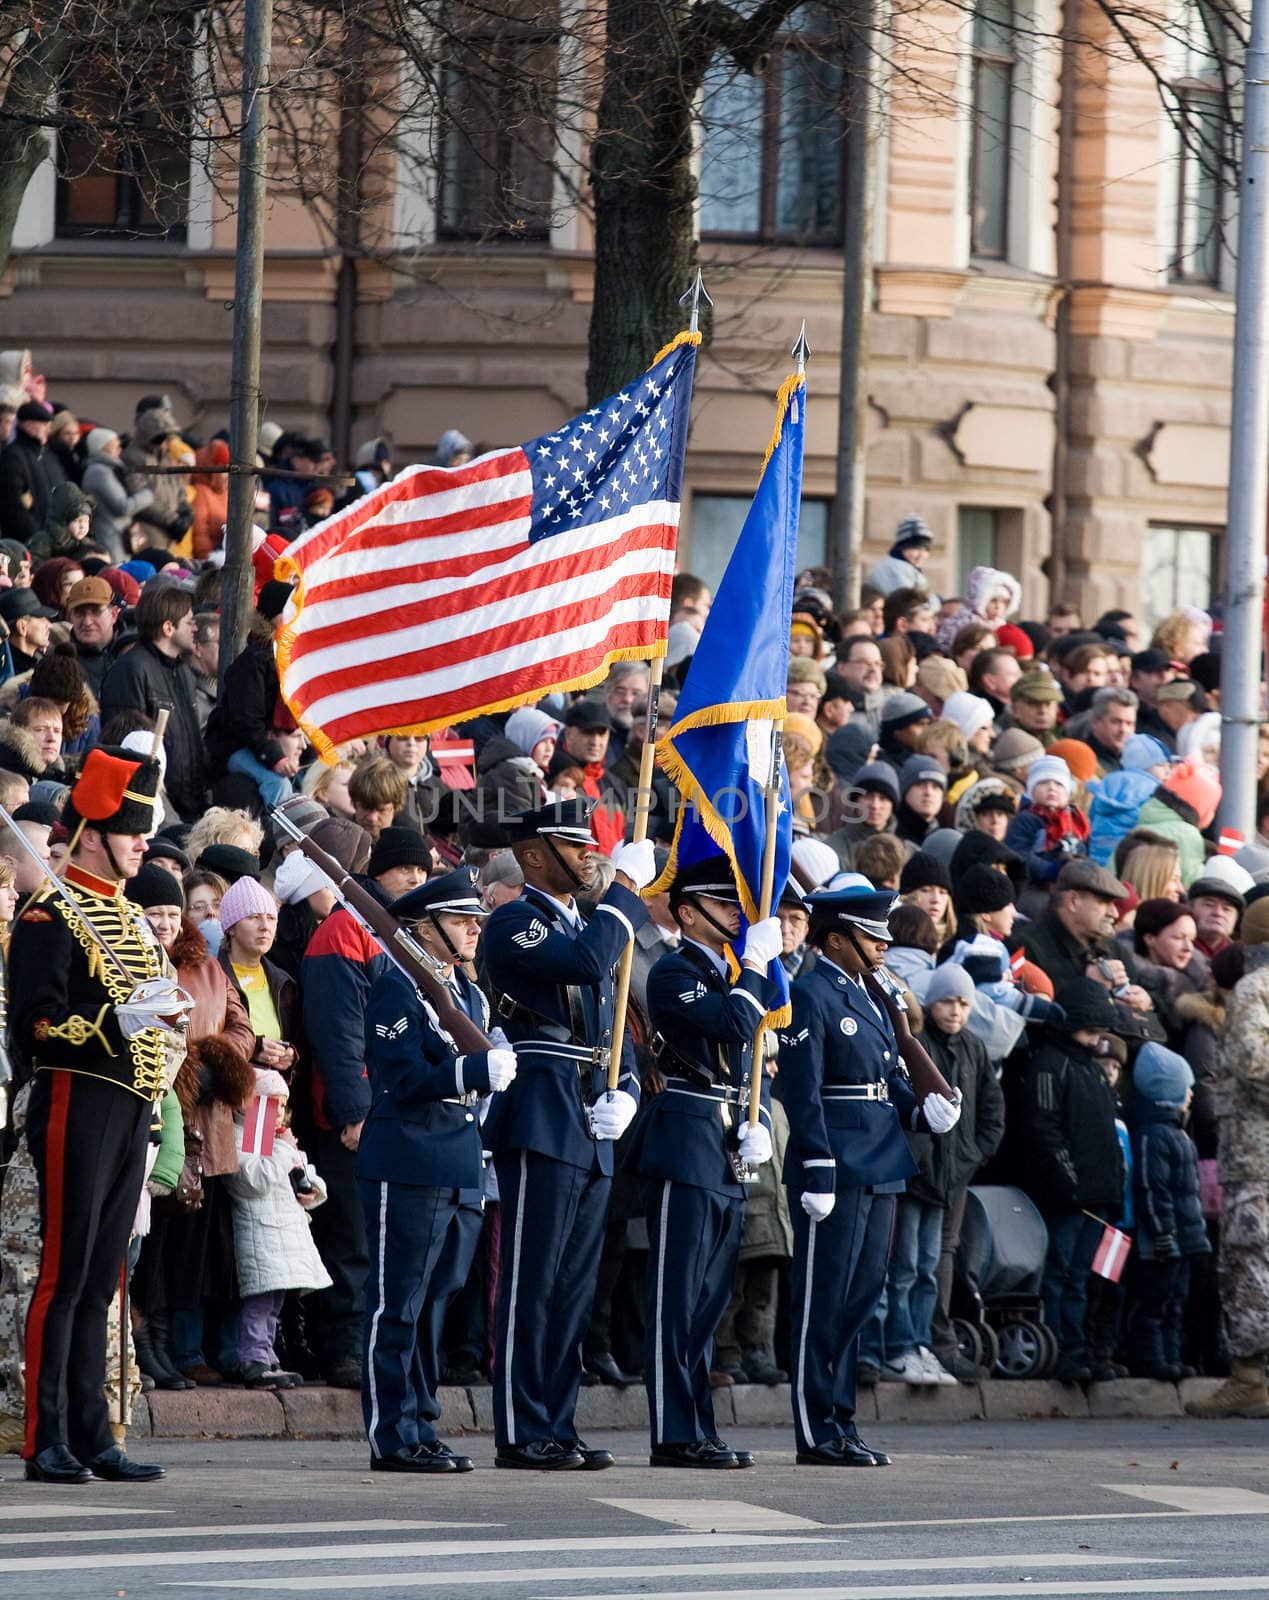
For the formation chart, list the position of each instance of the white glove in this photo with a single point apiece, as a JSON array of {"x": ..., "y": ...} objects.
[
  {"x": 637, "y": 861},
  {"x": 501, "y": 1065},
  {"x": 763, "y": 943},
  {"x": 755, "y": 1145},
  {"x": 940, "y": 1113},
  {"x": 157, "y": 1003},
  {"x": 297, "y": 878},
  {"x": 817, "y": 1206},
  {"x": 611, "y": 1114},
  {"x": 271, "y": 1085}
]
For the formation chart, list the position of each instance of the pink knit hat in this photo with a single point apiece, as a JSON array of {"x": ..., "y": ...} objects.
[
  {"x": 1198, "y": 785},
  {"x": 246, "y": 898}
]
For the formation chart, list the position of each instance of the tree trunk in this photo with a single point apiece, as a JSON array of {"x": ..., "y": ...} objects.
[
  {"x": 644, "y": 193},
  {"x": 28, "y": 96}
]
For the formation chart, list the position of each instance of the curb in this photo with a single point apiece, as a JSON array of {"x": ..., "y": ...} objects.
[{"x": 320, "y": 1413}]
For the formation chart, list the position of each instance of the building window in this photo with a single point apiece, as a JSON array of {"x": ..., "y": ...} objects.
[
  {"x": 771, "y": 147},
  {"x": 123, "y": 156},
  {"x": 993, "y": 59},
  {"x": 1180, "y": 566},
  {"x": 498, "y": 103},
  {"x": 1205, "y": 135},
  {"x": 714, "y": 525},
  {"x": 977, "y": 541}
]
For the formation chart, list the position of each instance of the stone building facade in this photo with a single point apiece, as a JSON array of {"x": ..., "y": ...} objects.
[{"x": 1050, "y": 364}]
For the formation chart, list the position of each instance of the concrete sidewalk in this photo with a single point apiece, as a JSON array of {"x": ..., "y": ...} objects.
[{"x": 319, "y": 1413}]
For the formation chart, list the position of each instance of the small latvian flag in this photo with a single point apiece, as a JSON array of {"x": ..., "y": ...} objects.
[
  {"x": 259, "y": 1124},
  {"x": 1230, "y": 842},
  {"x": 1112, "y": 1254}
]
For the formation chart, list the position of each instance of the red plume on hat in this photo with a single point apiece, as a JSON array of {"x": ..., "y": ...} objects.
[{"x": 102, "y": 784}]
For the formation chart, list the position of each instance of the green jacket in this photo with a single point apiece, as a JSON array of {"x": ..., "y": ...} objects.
[
  {"x": 1159, "y": 817},
  {"x": 171, "y": 1158}
]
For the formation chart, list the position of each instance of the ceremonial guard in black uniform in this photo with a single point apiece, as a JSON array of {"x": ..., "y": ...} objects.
[
  {"x": 848, "y": 1100},
  {"x": 99, "y": 1019},
  {"x": 551, "y": 974},
  {"x": 689, "y": 1145},
  {"x": 420, "y": 1173}
]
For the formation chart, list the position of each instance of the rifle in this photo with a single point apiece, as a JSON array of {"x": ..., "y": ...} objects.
[
  {"x": 926, "y": 1077},
  {"x": 397, "y": 943}
]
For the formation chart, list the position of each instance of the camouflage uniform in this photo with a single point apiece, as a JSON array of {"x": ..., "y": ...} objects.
[
  {"x": 1244, "y": 1162},
  {"x": 19, "y": 1268}
]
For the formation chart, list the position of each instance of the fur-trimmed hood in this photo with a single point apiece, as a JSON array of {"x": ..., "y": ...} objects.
[
  {"x": 1206, "y": 1010},
  {"x": 20, "y": 752},
  {"x": 189, "y": 949}
]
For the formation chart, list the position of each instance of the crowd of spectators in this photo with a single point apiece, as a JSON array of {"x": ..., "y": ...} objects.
[{"x": 1040, "y": 796}]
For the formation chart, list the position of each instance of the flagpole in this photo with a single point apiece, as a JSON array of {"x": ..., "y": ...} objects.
[
  {"x": 766, "y": 893},
  {"x": 643, "y": 806}
]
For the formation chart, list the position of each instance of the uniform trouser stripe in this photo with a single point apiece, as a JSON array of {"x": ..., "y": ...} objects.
[
  {"x": 374, "y": 1323},
  {"x": 808, "y": 1290},
  {"x": 658, "y": 1382},
  {"x": 51, "y": 1255},
  {"x": 508, "y": 1353}
]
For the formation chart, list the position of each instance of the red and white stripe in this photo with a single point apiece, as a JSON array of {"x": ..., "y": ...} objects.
[
  {"x": 425, "y": 602},
  {"x": 1112, "y": 1254}
]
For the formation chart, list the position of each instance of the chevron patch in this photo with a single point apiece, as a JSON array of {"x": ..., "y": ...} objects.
[
  {"x": 792, "y": 1039},
  {"x": 690, "y": 996},
  {"x": 531, "y": 936},
  {"x": 392, "y": 1030}
]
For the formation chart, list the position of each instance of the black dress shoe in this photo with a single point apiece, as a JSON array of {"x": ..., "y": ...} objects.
[
  {"x": 57, "y": 1465},
  {"x": 744, "y": 1458},
  {"x": 699, "y": 1453},
  {"x": 419, "y": 1459},
  {"x": 438, "y": 1450},
  {"x": 1070, "y": 1369},
  {"x": 344, "y": 1373},
  {"x": 592, "y": 1460},
  {"x": 879, "y": 1457},
  {"x": 115, "y": 1466},
  {"x": 543, "y": 1455},
  {"x": 605, "y": 1368},
  {"x": 838, "y": 1453}
]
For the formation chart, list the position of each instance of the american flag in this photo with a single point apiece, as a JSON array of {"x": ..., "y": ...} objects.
[{"x": 450, "y": 592}]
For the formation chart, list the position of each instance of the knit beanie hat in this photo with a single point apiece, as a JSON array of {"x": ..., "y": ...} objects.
[
  {"x": 941, "y": 677},
  {"x": 155, "y": 886},
  {"x": 942, "y": 844},
  {"x": 803, "y": 727},
  {"x": 231, "y": 861},
  {"x": 878, "y": 777},
  {"x": 527, "y": 727},
  {"x": 1159, "y": 1074},
  {"x": 1078, "y": 756},
  {"x": 1198, "y": 785},
  {"x": 1015, "y": 749},
  {"x": 246, "y": 898},
  {"x": 970, "y": 712},
  {"x": 983, "y": 958},
  {"x": 98, "y": 439},
  {"x": 921, "y": 769},
  {"x": 982, "y": 888},
  {"x": 903, "y": 710},
  {"x": 923, "y": 871},
  {"x": 301, "y": 813},
  {"x": 912, "y": 530},
  {"x": 814, "y": 863},
  {"x": 949, "y": 982},
  {"x": 1255, "y": 923},
  {"x": 1142, "y": 751},
  {"x": 399, "y": 847},
  {"x": 847, "y": 750},
  {"x": 1048, "y": 767}
]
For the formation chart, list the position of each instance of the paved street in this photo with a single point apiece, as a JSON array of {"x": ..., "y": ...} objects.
[{"x": 1172, "y": 1508}]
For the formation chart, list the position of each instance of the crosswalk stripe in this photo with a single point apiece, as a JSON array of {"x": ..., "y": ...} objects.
[
  {"x": 432, "y": 1549},
  {"x": 70, "y": 1509},
  {"x": 297, "y": 1530},
  {"x": 706, "y": 1516},
  {"x": 1210, "y": 1500},
  {"x": 348, "y": 1582},
  {"x": 1171, "y": 1587}
]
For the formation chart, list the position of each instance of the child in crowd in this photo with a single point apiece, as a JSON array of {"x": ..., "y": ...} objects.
[
  {"x": 1048, "y": 830},
  {"x": 1170, "y": 1226},
  {"x": 273, "y": 1245}
]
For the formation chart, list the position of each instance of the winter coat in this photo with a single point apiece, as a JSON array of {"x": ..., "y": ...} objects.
[
  {"x": 285, "y": 994},
  {"x": 949, "y": 1161},
  {"x": 893, "y": 572},
  {"x": 147, "y": 680},
  {"x": 166, "y": 1171},
  {"x": 851, "y": 834},
  {"x": 914, "y": 968},
  {"x": 1165, "y": 1189},
  {"x": 1166, "y": 817},
  {"x": 1116, "y": 806},
  {"x": 982, "y": 584},
  {"x": 1166, "y": 986},
  {"x": 168, "y": 510},
  {"x": 273, "y": 1240},
  {"x": 106, "y": 479},
  {"x": 1062, "y": 1131},
  {"x": 221, "y": 1046},
  {"x": 25, "y": 489},
  {"x": 768, "y": 1230},
  {"x": 1029, "y": 833},
  {"x": 209, "y": 498},
  {"x": 338, "y": 971},
  {"x": 1054, "y": 950},
  {"x": 250, "y": 709},
  {"x": 502, "y": 770},
  {"x": 1204, "y": 1048},
  {"x": 1244, "y": 1131}
]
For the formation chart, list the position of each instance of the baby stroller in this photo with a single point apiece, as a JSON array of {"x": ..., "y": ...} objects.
[{"x": 998, "y": 1314}]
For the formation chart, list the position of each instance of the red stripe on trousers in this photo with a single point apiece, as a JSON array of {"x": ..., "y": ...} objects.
[{"x": 51, "y": 1256}]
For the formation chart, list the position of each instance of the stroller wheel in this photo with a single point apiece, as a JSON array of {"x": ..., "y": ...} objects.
[
  {"x": 1050, "y": 1340},
  {"x": 969, "y": 1341},
  {"x": 1024, "y": 1351}
]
